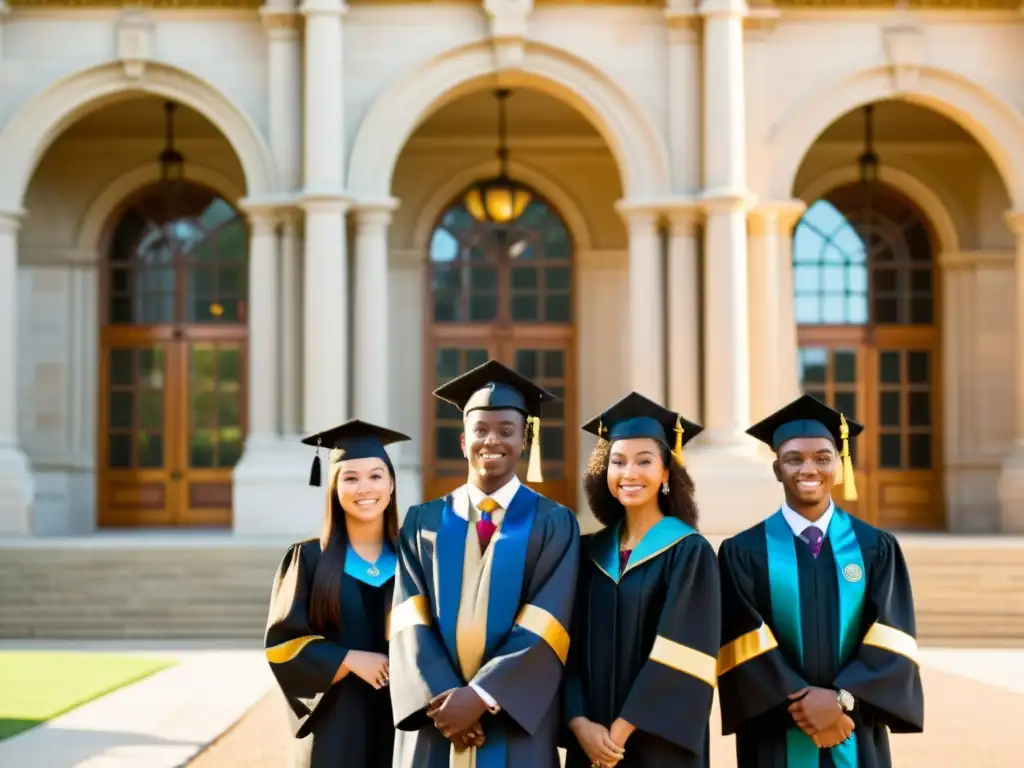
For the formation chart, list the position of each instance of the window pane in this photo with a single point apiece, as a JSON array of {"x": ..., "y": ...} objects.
[
  {"x": 890, "y": 448},
  {"x": 524, "y": 307},
  {"x": 920, "y": 446},
  {"x": 844, "y": 366},
  {"x": 557, "y": 308},
  {"x": 889, "y": 408},
  {"x": 918, "y": 367},
  {"x": 889, "y": 368},
  {"x": 920, "y": 409},
  {"x": 813, "y": 364},
  {"x": 846, "y": 404}
]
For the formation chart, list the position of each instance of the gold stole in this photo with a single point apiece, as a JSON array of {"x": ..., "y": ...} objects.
[{"x": 471, "y": 625}]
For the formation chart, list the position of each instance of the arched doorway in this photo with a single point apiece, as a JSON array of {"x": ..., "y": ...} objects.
[
  {"x": 502, "y": 292},
  {"x": 866, "y": 297},
  {"x": 172, "y": 404}
]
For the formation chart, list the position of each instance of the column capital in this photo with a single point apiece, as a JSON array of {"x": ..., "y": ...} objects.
[
  {"x": 682, "y": 215},
  {"x": 728, "y": 8},
  {"x": 375, "y": 212},
  {"x": 727, "y": 201},
  {"x": 10, "y": 221},
  {"x": 1015, "y": 221},
  {"x": 639, "y": 213},
  {"x": 323, "y": 8},
  {"x": 280, "y": 23},
  {"x": 775, "y": 217},
  {"x": 324, "y": 202}
]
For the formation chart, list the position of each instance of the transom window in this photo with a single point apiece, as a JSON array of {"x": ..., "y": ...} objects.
[{"x": 854, "y": 267}]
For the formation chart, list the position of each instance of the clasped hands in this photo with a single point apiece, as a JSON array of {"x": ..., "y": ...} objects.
[
  {"x": 818, "y": 714},
  {"x": 456, "y": 714}
]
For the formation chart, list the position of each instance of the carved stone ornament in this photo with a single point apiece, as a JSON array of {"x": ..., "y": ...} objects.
[
  {"x": 904, "y": 48},
  {"x": 134, "y": 42},
  {"x": 508, "y": 24}
]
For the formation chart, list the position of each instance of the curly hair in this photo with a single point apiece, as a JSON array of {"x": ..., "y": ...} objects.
[{"x": 678, "y": 502}]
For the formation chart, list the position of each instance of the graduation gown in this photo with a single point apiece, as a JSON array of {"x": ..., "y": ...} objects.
[
  {"x": 347, "y": 723},
  {"x": 843, "y": 620},
  {"x": 523, "y": 642},
  {"x": 645, "y": 643}
]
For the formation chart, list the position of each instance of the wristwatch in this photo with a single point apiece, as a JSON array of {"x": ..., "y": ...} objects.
[{"x": 845, "y": 700}]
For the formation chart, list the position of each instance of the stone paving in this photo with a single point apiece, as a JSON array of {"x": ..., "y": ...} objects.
[{"x": 968, "y": 723}]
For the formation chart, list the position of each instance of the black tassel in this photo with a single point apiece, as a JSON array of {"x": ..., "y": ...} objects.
[{"x": 314, "y": 472}]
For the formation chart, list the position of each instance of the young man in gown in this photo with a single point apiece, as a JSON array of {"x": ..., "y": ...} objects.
[
  {"x": 646, "y": 624},
  {"x": 483, "y": 596},
  {"x": 819, "y": 659}
]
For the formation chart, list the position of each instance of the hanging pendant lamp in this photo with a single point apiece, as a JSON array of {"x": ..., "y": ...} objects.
[{"x": 498, "y": 200}]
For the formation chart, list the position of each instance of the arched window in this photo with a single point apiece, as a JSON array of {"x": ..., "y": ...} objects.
[
  {"x": 864, "y": 292},
  {"x": 173, "y": 387},
  {"x": 501, "y": 292},
  {"x": 853, "y": 266}
]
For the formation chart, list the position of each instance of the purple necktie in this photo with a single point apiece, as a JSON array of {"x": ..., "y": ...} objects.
[
  {"x": 812, "y": 536},
  {"x": 485, "y": 527}
]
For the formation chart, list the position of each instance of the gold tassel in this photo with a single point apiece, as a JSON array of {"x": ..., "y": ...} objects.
[
  {"x": 533, "y": 470},
  {"x": 848, "y": 481},
  {"x": 600, "y": 427},
  {"x": 677, "y": 452}
]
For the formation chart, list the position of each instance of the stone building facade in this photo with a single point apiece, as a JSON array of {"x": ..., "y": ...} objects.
[{"x": 700, "y": 226}]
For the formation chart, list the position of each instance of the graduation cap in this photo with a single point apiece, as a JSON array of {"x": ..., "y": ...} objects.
[
  {"x": 496, "y": 387},
  {"x": 354, "y": 439},
  {"x": 636, "y": 416},
  {"x": 809, "y": 417}
]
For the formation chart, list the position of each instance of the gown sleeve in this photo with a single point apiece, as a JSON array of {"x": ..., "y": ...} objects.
[
  {"x": 753, "y": 676},
  {"x": 303, "y": 662},
  {"x": 574, "y": 703},
  {"x": 681, "y": 667},
  {"x": 525, "y": 672},
  {"x": 419, "y": 664},
  {"x": 884, "y": 673}
]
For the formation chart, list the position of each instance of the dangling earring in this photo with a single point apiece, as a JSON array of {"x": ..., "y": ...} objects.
[{"x": 664, "y": 488}]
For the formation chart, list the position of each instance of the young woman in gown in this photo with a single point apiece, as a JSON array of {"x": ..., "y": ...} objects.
[
  {"x": 326, "y": 637},
  {"x": 646, "y": 623}
]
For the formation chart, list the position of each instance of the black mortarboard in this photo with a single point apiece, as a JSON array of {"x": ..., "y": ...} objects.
[
  {"x": 354, "y": 439},
  {"x": 636, "y": 416},
  {"x": 494, "y": 387},
  {"x": 809, "y": 417}
]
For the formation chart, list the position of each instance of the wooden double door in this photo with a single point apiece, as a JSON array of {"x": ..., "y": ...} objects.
[
  {"x": 887, "y": 378},
  {"x": 173, "y": 414},
  {"x": 543, "y": 358}
]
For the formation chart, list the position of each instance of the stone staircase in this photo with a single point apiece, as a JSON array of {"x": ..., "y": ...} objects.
[{"x": 969, "y": 591}]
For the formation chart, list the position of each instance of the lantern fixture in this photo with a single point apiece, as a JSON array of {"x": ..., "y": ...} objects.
[
  {"x": 498, "y": 200},
  {"x": 172, "y": 162}
]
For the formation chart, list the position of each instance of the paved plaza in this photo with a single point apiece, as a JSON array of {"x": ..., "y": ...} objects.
[
  {"x": 974, "y": 711},
  {"x": 218, "y": 708}
]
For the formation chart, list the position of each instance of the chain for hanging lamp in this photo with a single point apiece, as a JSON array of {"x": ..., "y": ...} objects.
[{"x": 498, "y": 200}]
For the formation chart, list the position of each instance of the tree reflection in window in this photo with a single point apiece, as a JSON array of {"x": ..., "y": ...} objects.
[
  {"x": 521, "y": 273},
  {"x": 178, "y": 257},
  {"x": 853, "y": 267}
]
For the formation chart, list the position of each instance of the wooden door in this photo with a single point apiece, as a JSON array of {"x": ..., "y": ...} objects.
[
  {"x": 173, "y": 347},
  {"x": 865, "y": 293}
]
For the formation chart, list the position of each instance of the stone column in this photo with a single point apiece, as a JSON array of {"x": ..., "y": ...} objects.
[
  {"x": 291, "y": 325},
  {"x": 17, "y": 484},
  {"x": 773, "y": 345},
  {"x": 683, "y": 313},
  {"x": 284, "y": 92},
  {"x": 325, "y": 316},
  {"x": 323, "y": 106},
  {"x": 264, "y": 328},
  {"x": 1011, "y": 481},
  {"x": 371, "y": 376},
  {"x": 646, "y": 304}
]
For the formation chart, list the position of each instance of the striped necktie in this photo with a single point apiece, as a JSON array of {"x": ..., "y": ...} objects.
[{"x": 485, "y": 527}]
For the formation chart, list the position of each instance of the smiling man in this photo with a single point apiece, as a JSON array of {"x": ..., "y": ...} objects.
[
  {"x": 819, "y": 656},
  {"x": 483, "y": 596}
]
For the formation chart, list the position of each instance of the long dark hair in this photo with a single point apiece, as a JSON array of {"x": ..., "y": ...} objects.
[
  {"x": 325, "y": 594},
  {"x": 608, "y": 510}
]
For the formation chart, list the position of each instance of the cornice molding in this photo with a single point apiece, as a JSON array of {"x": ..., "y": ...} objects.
[{"x": 967, "y": 260}]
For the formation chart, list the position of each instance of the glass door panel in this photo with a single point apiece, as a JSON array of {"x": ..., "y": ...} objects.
[
  {"x": 137, "y": 479},
  {"x": 212, "y": 387}
]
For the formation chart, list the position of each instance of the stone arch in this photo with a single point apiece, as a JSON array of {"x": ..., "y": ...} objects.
[
  {"x": 636, "y": 145},
  {"x": 923, "y": 196},
  {"x": 563, "y": 202},
  {"x": 994, "y": 124},
  {"x": 114, "y": 195},
  {"x": 35, "y": 126}
]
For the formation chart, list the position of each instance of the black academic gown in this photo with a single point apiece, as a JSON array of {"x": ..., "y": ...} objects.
[
  {"x": 645, "y": 644},
  {"x": 348, "y": 723},
  {"x": 759, "y": 668},
  {"x": 528, "y": 618}
]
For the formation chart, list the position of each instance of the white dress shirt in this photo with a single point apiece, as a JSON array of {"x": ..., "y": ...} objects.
[
  {"x": 503, "y": 497},
  {"x": 798, "y": 523}
]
